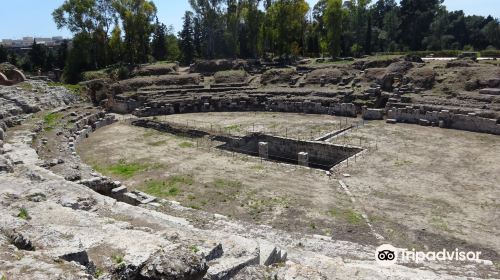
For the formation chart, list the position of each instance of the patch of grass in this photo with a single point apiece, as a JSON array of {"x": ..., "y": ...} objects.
[
  {"x": 439, "y": 223},
  {"x": 92, "y": 75},
  {"x": 75, "y": 89},
  {"x": 170, "y": 187},
  {"x": 349, "y": 215},
  {"x": 23, "y": 214},
  {"x": 157, "y": 143},
  {"x": 257, "y": 167},
  {"x": 223, "y": 183},
  {"x": 25, "y": 86},
  {"x": 50, "y": 120},
  {"x": 123, "y": 169},
  {"x": 98, "y": 273},
  {"x": 195, "y": 207},
  {"x": 186, "y": 145},
  {"x": 234, "y": 127},
  {"x": 195, "y": 249},
  {"x": 3, "y": 277},
  {"x": 151, "y": 133},
  {"x": 118, "y": 259}
]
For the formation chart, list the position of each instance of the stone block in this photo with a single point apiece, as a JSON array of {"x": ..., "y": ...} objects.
[
  {"x": 264, "y": 150},
  {"x": 373, "y": 114},
  {"x": 303, "y": 159},
  {"x": 118, "y": 192},
  {"x": 424, "y": 122},
  {"x": 491, "y": 91}
]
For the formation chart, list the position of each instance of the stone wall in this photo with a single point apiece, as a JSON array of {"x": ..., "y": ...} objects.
[
  {"x": 445, "y": 119},
  {"x": 372, "y": 114},
  {"x": 236, "y": 104}
]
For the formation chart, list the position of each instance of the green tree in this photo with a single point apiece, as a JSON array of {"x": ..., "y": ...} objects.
[
  {"x": 61, "y": 55},
  {"x": 232, "y": 21},
  {"x": 186, "y": 39},
  {"x": 416, "y": 18},
  {"x": 287, "y": 19},
  {"x": 391, "y": 31},
  {"x": 3, "y": 54},
  {"x": 251, "y": 19},
  {"x": 333, "y": 22},
  {"x": 38, "y": 56},
  {"x": 137, "y": 18},
  {"x": 159, "y": 43},
  {"x": 79, "y": 58},
  {"x": 209, "y": 13},
  {"x": 492, "y": 33},
  {"x": 173, "y": 50},
  {"x": 197, "y": 37},
  {"x": 116, "y": 45},
  {"x": 94, "y": 17}
]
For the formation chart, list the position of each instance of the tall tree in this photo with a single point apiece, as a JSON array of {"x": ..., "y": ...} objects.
[
  {"x": 3, "y": 54},
  {"x": 62, "y": 54},
  {"x": 333, "y": 23},
  {"x": 186, "y": 39},
  {"x": 116, "y": 45},
  {"x": 492, "y": 33},
  {"x": 416, "y": 18},
  {"x": 159, "y": 43},
  {"x": 232, "y": 20},
  {"x": 38, "y": 56},
  {"x": 173, "y": 50},
  {"x": 94, "y": 17},
  {"x": 287, "y": 19},
  {"x": 368, "y": 37},
  {"x": 391, "y": 31},
  {"x": 79, "y": 58},
  {"x": 209, "y": 13},
  {"x": 197, "y": 37},
  {"x": 137, "y": 18}
]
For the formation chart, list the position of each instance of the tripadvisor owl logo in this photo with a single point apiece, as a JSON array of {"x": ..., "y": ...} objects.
[{"x": 386, "y": 255}]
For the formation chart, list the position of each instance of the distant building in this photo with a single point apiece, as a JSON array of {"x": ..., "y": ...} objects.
[{"x": 26, "y": 42}]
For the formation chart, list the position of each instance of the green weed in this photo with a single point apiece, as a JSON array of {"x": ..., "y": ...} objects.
[{"x": 23, "y": 214}]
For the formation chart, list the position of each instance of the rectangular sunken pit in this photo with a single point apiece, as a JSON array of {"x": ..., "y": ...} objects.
[{"x": 312, "y": 154}]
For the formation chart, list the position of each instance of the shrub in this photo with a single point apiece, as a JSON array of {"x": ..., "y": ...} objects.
[
  {"x": 490, "y": 53},
  {"x": 23, "y": 214}
]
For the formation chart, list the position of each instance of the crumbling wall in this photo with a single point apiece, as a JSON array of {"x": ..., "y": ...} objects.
[
  {"x": 134, "y": 84},
  {"x": 239, "y": 104},
  {"x": 445, "y": 119}
]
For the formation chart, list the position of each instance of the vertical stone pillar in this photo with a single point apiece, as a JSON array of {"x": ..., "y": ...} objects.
[
  {"x": 304, "y": 159},
  {"x": 264, "y": 150}
]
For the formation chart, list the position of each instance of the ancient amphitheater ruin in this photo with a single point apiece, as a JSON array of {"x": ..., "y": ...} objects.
[{"x": 241, "y": 169}]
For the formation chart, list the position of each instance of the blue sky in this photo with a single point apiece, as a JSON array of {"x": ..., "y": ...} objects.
[{"x": 33, "y": 17}]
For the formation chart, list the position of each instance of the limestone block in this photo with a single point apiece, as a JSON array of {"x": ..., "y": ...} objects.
[
  {"x": 491, "y": 91},
  {"x": 424, "y": 122},
  {"x": 303, "y": 159},
  {"x": 373, "y": 114},
  {"x": 264, "y": 150},
  {"x": 117, "y": 193}
]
